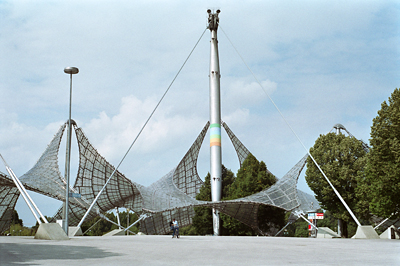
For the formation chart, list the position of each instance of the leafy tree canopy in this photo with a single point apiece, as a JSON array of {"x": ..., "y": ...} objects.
[
  {"x": 383, "y": 169},
  {"x": 98, "y": 226},
  {"x": 15, "y": 219},
  {"x": 251, "y": 178},
  {"x": 343, "y": 161},
  {"x": 203, "y": 222}
]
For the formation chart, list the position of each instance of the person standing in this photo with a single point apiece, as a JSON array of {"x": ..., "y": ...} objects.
[
  {"x": 171, "y": 225},
  {"x": 176, "y": 228}
]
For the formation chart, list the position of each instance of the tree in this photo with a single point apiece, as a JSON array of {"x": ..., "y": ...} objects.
[
  {"x": 251, "y": 178},
  {"x": 343, "y": 161},
  {"x": 123, "y": 217},
  {"x": 15, "y": 219},
  {"x": 17, "y": 228},
  {"x": 300, "y": 227},
  {"x": 383, "y": 168},
  {"x": 101, "y": 227},
  {"x": 202, "y": 222}
]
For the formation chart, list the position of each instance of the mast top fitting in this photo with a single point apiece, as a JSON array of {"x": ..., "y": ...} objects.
[{"x": 213, "y": 19}]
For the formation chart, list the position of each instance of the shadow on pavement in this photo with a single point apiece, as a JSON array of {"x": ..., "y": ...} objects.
[{"x": 27, "y": 254}]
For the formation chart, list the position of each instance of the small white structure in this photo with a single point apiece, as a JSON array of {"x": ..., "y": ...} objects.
[
  {"x": 326, "y": 232},
  {"x": 390, "y": 233},
  {"x": 51, "y": 231},
  {"x": 366, "y": 231},
  {"x": 74, "y": 231},
  {"x": 115, "y": 232}
]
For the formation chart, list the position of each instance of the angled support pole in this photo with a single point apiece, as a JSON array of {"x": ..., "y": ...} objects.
[
  {"x": 102, "y": 216},
  {"x": 25, "y": 194},
  {"x": 283, "y": 228},
  {"x": 119, "y": 221},
  {"x": 141, "y": 217}
]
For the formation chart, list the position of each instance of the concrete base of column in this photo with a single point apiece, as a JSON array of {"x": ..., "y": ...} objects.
[
  {"x": 51, "y": 231},
  {"x": 325, "y": 232},
  {"x": 115, "y": 232},
  {"x": 390, "y": 233},
  {"x": 366, "y": 232},
  {"x": 74, "y": 231}
]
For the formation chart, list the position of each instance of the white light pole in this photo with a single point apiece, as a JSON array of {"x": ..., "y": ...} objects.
[{"x": 70, "y": 71}]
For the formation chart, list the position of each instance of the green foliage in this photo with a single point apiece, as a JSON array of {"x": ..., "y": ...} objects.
[
  {"x": 19, "y": 230},
  {"x": 202, "y": 222},
  {"x": 15, "y": 219},
  {"x": 328, "y": 221},
  {"x": 297, "y": 229},
  {"x": 102, "y": 227},
  {"x": 300, "y": 227},
  {"x": 123, "y": 217},
  {"x": 343, "y": 161},
  {"x": 251, "y": 178},
  {"x": 383, "y": 169}
]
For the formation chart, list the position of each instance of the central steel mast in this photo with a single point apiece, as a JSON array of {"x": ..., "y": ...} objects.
[{"x": 215, "y": 118}]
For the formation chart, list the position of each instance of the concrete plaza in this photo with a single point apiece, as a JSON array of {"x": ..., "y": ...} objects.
[{"x": 198, "y": 250}]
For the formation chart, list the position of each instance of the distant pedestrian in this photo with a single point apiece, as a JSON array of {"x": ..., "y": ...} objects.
[
  {"x": 176, "y": 228},
  {"x": 171, "y": 225}
]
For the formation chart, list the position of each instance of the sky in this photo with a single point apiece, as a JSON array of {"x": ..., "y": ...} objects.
[{"x": 321, "y": 62}]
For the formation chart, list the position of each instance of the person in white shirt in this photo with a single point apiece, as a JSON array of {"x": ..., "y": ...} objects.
[{"x": 176, "y": 228}]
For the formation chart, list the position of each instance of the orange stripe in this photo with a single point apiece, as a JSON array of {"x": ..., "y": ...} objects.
[{"x": 215, "y": 143}]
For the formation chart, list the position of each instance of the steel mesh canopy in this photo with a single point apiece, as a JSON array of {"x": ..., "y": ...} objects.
[
  {"x": 8, "y": 198},
  {"x": 172, "y": 196},
  {"x": 186, "y": 177},
  {"x": 44, "y": 177},
  {"x": 172, "y": 203}
]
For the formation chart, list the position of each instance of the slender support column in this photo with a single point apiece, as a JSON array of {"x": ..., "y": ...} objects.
[
  {"x": 215, "y": 119},
  {"x": 70, "y": 71},
  {"x": 118, "y": 220},
  {"x": 24, "y": 194},
  {"x": 127, "y": 219}
]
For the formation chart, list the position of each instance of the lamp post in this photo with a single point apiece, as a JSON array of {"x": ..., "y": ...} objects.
[{"x": 70, "y": 71}]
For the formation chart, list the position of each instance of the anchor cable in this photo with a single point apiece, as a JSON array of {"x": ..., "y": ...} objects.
[
  {"x": 287, "y": 123},
  {"x": 148, "y": 119}
]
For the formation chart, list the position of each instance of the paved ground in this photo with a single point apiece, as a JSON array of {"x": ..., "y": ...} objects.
[{"x": 198, "y": 250}]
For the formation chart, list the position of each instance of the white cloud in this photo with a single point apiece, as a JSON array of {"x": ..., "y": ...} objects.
[
  {"x": 113, "y": 135},
  {"x": 240, "y": 92}
]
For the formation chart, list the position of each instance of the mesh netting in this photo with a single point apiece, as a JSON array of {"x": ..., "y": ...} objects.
[
  {"x": 172, "y": 196},
  {"x": 8, "y": 198}
]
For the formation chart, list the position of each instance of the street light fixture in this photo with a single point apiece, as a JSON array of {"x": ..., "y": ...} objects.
[{"x": 70, "y": 71}]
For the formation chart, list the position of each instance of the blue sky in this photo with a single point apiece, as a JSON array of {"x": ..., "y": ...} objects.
[{"x": 322, "y": 62}]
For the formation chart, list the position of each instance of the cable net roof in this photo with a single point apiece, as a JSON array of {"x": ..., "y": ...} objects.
[
  {"x": 45, "y": 177},
  {"x": 8, "y": 198},
  {"x": 172, "y": 196}
]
